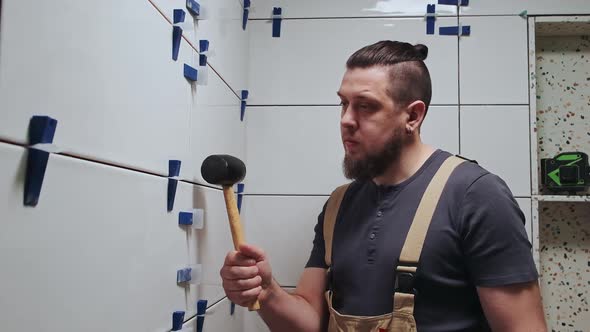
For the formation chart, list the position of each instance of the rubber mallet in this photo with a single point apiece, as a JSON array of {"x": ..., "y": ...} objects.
[{"x": 226, "y": 170}]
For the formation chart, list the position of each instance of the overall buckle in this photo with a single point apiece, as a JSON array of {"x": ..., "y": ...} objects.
[{"x": 404, "y": 282}]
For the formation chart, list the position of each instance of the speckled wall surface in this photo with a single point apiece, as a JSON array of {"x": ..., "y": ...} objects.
[
  {"x": 563, "y": 94},
  {"x": 565, "y": 264},
  {"x": 562, "y": 125}
]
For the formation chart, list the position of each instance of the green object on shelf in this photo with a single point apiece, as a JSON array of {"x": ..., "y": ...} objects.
[
  {"x": 524, "y": 14},
  {"x": 567, "y": 172}
]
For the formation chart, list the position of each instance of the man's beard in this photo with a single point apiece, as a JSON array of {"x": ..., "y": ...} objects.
[{"x": 375, "y": 164}]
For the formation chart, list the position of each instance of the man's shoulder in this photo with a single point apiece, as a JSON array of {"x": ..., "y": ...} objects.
[{"x": 466, "y": 175}]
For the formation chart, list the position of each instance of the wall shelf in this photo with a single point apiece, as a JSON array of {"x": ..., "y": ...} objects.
[{"x": 561, "y": 198}]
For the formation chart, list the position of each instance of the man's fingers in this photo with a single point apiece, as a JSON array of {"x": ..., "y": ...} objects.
[
  {"x": 236, "y": 258},
  {"x": 239, "y": 272},
  {"x": 241, "y": 284},
  {"x": 245, "y": 297}
]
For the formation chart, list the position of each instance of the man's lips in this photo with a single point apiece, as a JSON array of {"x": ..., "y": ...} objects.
[{"x": 349, "y": 143}]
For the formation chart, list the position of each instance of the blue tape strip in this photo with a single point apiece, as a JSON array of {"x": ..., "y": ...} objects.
[
  {"x": 276, "y": 21},
  {"x": 178, "y": 15},
  {"x": 202, "y": 60},
  {"x": 176, "y": 35},
  {"x": 430, "y": 9},
  {"x": 41, "y": 130},
  {"x": 193, "y": 7},
  {"x": 243, "y": 104},
  {"x": 172, "y": 184},
  {"x": 448, "y": 31},
  {"x": 232, "y": 308},
  {"x": 240, "y": 196},
  {"x": 185, "y": 218},
  {"x": 183, "y": 275},
  {"x": 190, "y": 73},
  {"x": 177, "y": 320},
  {"x": 203, "y": 45},
  {"x": 174, "y": 170},
  {"x": 242, "y": 110},
  {"x": 454, "y": 2},
  {"x": 201, "y": 309},
  {"x": 240, "y": 191},
  {"x": 454, "y": 31},
  {"x": 245, "y": 14},
  {"x": 465, "y": 30}
]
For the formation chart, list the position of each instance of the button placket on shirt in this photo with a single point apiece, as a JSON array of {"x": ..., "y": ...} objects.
[{"x": 372, "y": 247}]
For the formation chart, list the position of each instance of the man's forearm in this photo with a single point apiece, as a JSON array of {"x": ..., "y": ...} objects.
[{"x": 288, "y": 312}]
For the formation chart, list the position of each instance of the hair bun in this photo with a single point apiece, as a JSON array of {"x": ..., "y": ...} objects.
[{"x": 421, "y": 51}]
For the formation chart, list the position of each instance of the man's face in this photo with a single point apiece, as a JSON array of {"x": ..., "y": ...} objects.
[{"x": 371, "y": 124}]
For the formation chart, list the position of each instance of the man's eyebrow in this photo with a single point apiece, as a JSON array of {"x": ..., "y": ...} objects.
[{"x": 364, "y": 97}]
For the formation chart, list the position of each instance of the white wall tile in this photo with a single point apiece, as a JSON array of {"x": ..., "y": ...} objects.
[
  {"x": 498, "y": 138},
  {"x": 494, "y": 61},
  {"x": 533, "y": 7},
  {"x": 293, "y": 150},
  {"x": 441, "y": 128},
  {"x": 335, "y": 8},
  {"x": 105, "y": 72},
  {"x": 305, "y": 65},
  {"x": 283, "y": 226},
  {"x": 100, "y": 243}
]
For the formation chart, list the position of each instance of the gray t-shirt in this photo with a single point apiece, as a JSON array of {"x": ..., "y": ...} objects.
[{"x": 476, "y": 238}]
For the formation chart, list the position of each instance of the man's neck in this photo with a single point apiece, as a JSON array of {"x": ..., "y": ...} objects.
[{"x": 412, "y": 157}]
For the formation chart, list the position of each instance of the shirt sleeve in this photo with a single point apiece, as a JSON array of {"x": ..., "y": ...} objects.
[
  {"x": 317, "y": 257},
  {"x": 495, "y": 243}
]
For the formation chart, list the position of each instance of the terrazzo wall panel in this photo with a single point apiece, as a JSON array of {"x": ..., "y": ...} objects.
[
  {"x": 563, "y": 94},
  {"x": 565, "y": 264},
  {"x": 562, "y": 78}
]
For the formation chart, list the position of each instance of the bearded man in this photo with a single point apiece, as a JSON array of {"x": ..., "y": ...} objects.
[{"x": 420, "y": 240}]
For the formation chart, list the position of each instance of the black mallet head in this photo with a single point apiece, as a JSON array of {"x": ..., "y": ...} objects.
[{"x": 223, "y": 170}]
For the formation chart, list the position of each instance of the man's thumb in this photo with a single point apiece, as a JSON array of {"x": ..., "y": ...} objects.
[{"x": 252, "y": 252}]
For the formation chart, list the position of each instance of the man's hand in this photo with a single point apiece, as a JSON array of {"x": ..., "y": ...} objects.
[{"x": 245, "y": 273}]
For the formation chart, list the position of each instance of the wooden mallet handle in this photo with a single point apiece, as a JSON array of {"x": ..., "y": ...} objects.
[{"x": 235, "y": 226}]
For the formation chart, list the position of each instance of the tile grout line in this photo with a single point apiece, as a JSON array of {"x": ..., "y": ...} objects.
[{"x": 107, "y": 163}]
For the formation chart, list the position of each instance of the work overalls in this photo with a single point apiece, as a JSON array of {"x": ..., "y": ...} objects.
[{"x": 402, "y": 317}]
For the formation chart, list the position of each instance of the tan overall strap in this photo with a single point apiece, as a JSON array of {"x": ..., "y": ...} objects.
[
  {"x": 412, "y": 248},
  {"x": 330, "y": 219}
]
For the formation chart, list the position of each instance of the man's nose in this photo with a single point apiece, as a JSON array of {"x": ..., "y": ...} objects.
[{"x": 347, "y": 119}]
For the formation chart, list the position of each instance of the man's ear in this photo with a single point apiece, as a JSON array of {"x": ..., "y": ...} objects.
[{"x": 416, "y": 112}]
